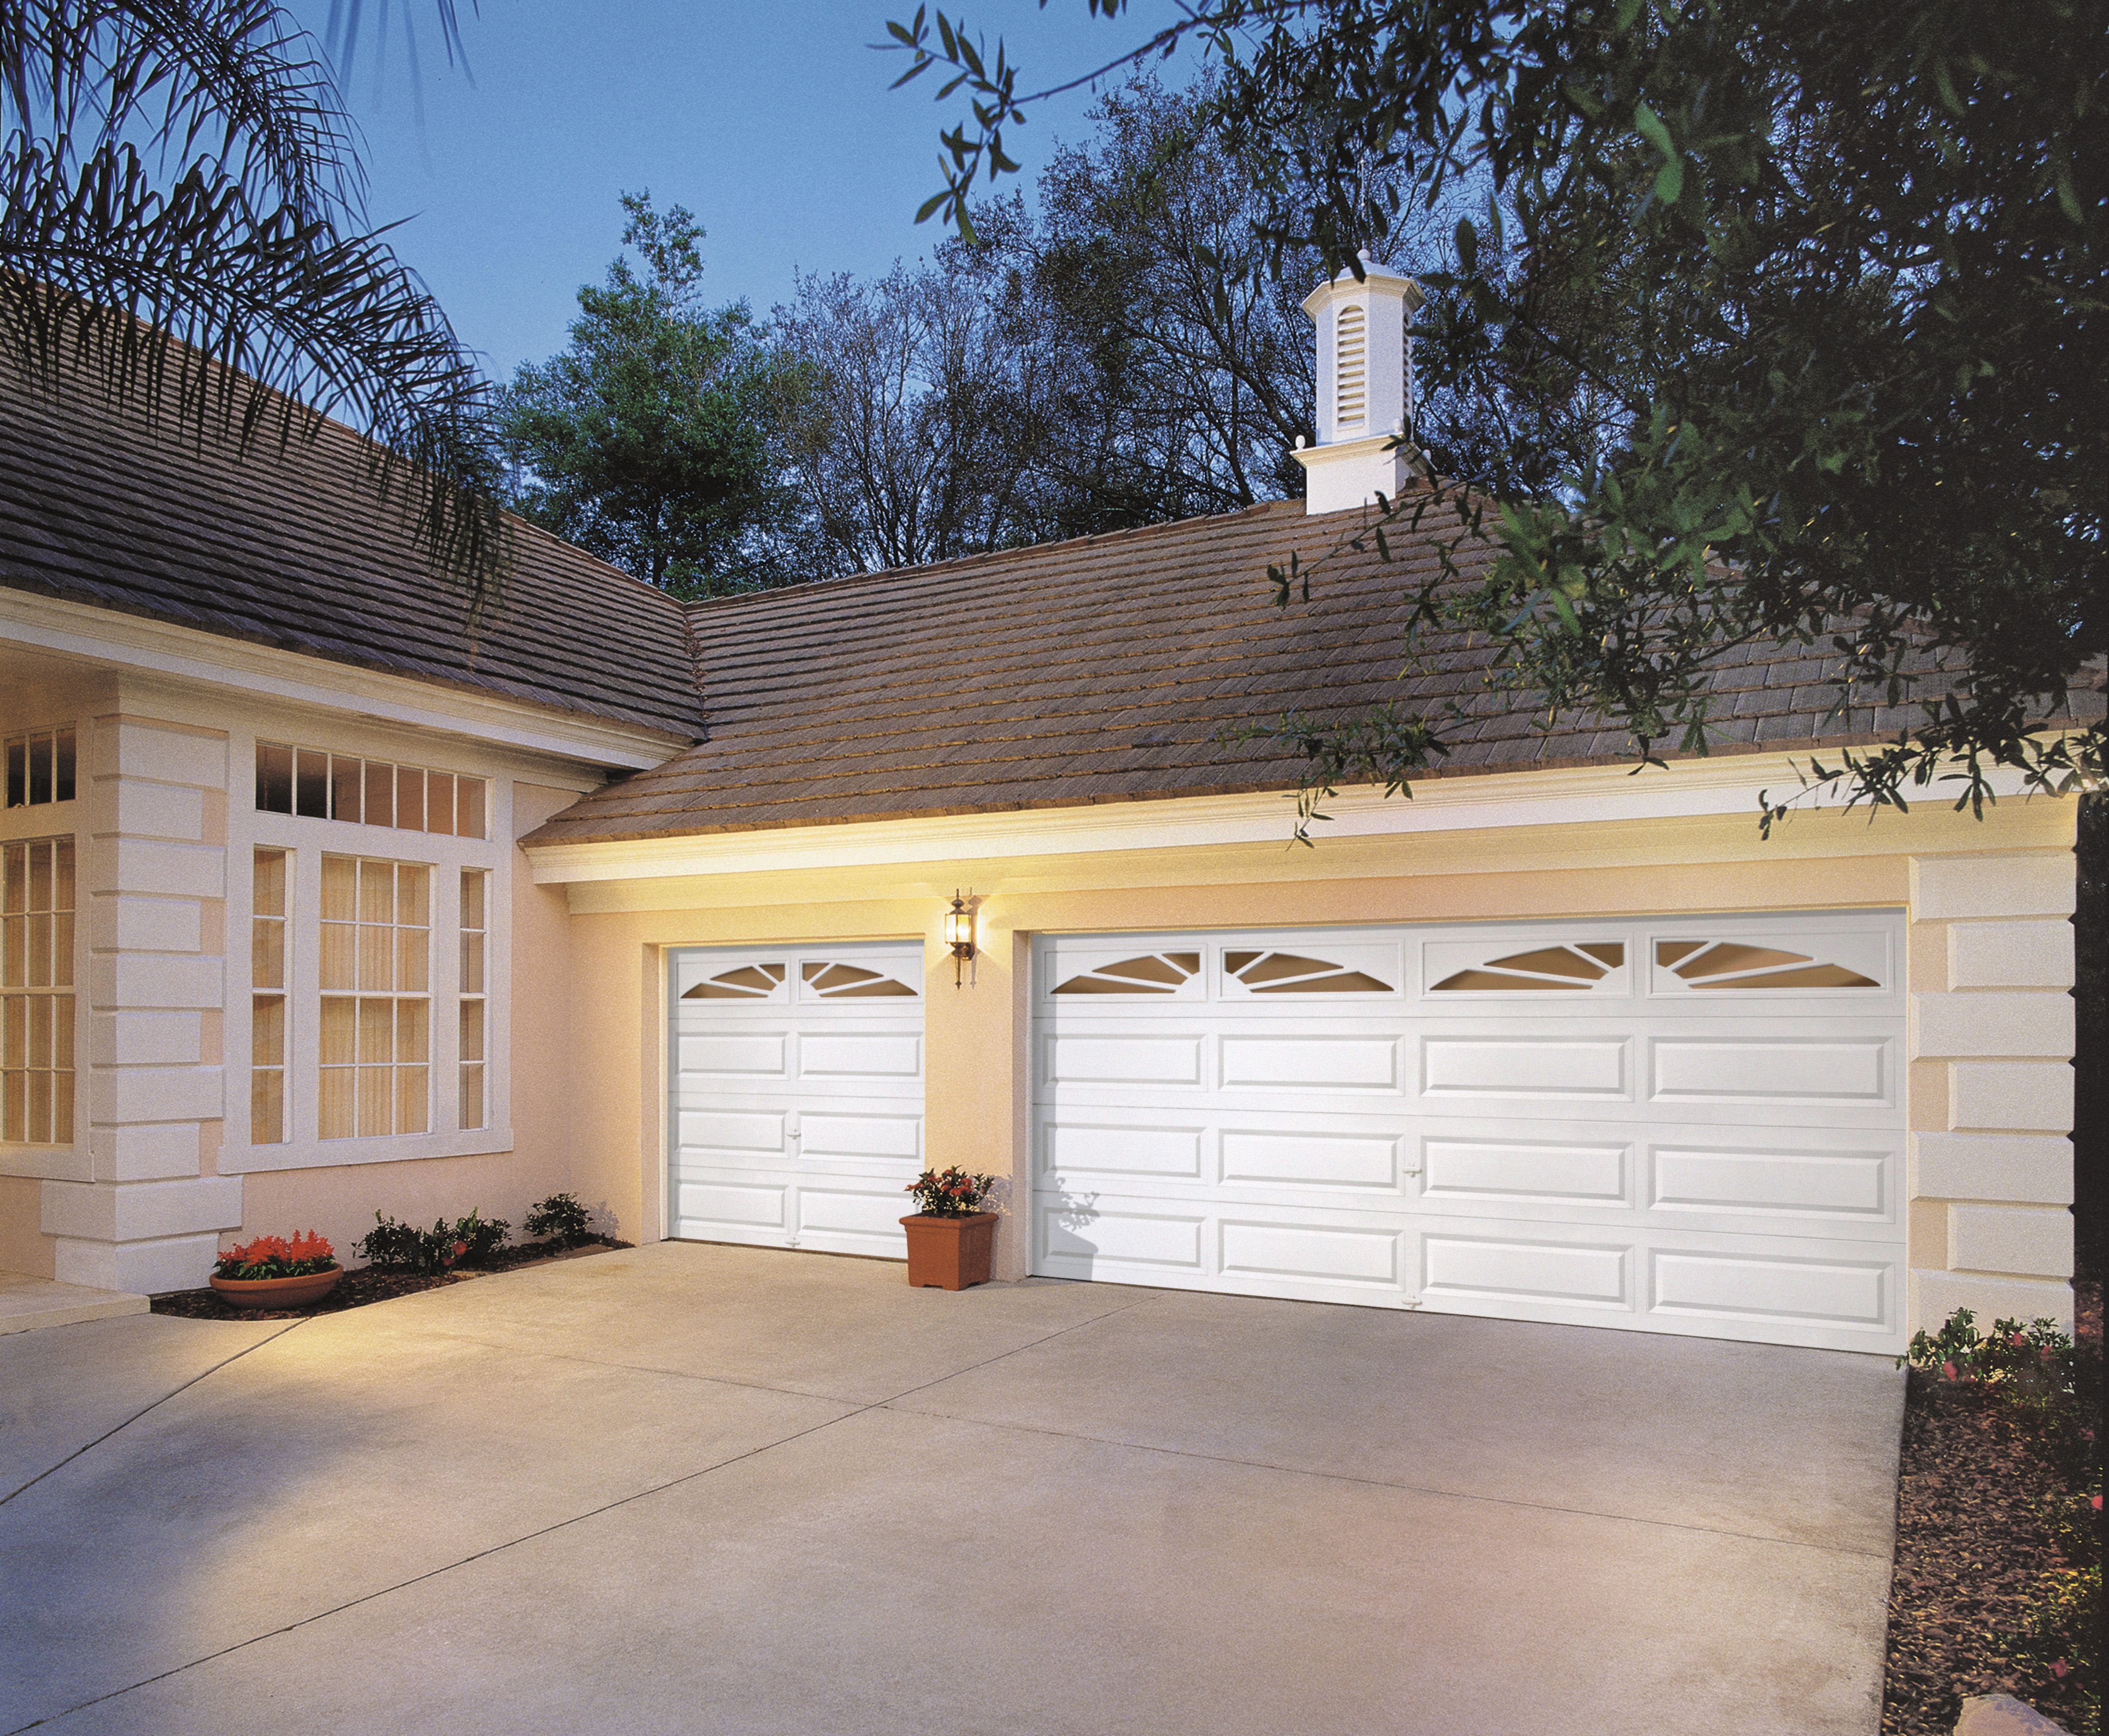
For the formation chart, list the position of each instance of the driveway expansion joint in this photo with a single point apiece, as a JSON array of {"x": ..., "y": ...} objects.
[
  {"x": 1373, "y": 1482},
  {"x": 555, "y": 1526},
  {"x": 147, "y": 1410}
]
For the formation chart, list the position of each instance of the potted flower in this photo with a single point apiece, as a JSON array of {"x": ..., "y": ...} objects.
[
  {"x": 271, "y": 1272},
  {"x": 951, "y": 1242}
]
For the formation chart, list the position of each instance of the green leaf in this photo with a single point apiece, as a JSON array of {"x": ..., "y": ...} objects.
[
  {"x": 1468, "y": 246},
  {"x": 1652, "y": 129}
]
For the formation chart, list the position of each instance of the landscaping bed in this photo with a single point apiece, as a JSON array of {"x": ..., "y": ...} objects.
[
  {"x": 1996, "y": 1500},
  {"x": 366, "y": 1284}
]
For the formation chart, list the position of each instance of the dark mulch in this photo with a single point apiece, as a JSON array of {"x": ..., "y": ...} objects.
[
  {"x": 1979, "y": 1500},
  {"x": 366, "y": 1284}
]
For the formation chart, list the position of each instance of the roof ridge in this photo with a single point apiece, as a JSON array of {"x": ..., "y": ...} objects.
[{"x": 984, "y": 557}]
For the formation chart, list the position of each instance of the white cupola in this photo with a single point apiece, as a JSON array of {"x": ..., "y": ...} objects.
[{"x": 1365, "y": 372}]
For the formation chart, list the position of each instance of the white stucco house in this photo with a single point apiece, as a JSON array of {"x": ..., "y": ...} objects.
[{"x": 321, "y": 899}]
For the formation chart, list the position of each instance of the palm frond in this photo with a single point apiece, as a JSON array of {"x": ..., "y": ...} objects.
[{"x": 180, "y": 218}]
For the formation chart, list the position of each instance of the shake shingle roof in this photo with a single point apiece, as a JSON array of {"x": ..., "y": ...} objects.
[
  {"x": 293, "y": 550},
  {"x": 1112, "y": 668}
]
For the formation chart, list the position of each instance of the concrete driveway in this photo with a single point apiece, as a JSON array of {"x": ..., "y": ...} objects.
[{"x": 701, "y": 1489}]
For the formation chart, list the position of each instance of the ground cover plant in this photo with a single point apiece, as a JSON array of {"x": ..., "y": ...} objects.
[
  {"x": 1998, "y": 1583},
  {"x": 403, "y": 1259}
]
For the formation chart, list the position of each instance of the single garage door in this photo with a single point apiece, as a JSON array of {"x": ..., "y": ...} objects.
[
  {"x": 797, "y": 1112},
  {"x": 1693, "y": 1124}
]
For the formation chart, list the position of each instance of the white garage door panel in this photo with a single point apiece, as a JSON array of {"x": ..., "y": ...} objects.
[
  {"x": 1334, "y": 1256},
  {"x": 797, "y": 1098},
  {"x": 758, "y": 1055},
  {"x": 1365, "y": 1163},
  {"x": 725, "y": 1204},
  {"x": 1482, "y": 1171},
  {"x": 1080, "y": 1147},
  {"x": 1820, "y": 1074},
  {"x": 861, "y": 1055},
  {"x": 1524, "y": 1066},
  {"x": 1845, "y": 1294},
  {"x": 1853, "y": 1186},
  {"x": 1109, "y": 1238},
  {"x": 1468, "y": 1266},
  {"x": 1318, "y": 1064},
  {"x": 1687, "y": 1124}
]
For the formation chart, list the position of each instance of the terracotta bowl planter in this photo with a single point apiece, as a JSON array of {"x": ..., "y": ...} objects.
[
  {"x": 278, "y": 1292},
  {"x": 949, "y": 1252}
]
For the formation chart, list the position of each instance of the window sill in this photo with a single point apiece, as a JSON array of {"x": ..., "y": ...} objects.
[
  {"x": 47, "y": 1163},
  {"x": 331, "y": 1154}
]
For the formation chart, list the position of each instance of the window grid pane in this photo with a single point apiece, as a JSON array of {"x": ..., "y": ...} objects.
[
  {"x": 41, "y": 765},
  {"x": 297, "y": 780},
  {"x": 376, "y": 1046},
  {"x": 268, "y": 911},
  {"x": 475, "y": 902},
  {"x": 36, "y": 984}
]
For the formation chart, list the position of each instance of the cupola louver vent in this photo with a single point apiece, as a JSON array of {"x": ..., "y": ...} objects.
[{"x": 1351, "y": 366}]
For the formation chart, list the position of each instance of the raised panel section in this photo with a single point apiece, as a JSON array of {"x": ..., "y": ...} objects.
[
  {"x": 1841, "y": 1293},
  {"x": 1833, "y": 1184},
  {"x": 1130, "y": 1238},
  {"x": 1124, "y": 1060},
  {"x": 1524, "y": 1066},
  {"x": 716, "y": 1202},
  {"x": 729, "y": 1130},
  {"x": 733, "y": 1054},
  {"x": 1565, "y": 1272},
  {"x": 1333, "y": 1256},
  {"x": 1496, "y": 1169},
  {"x": 899, "y": 1136},
  {"x": 1312, "y": 1063},
  {"x": 1088, "y": 1148},
  {"x": 1844, "y": 1070},
  {"x": 859, "y": 1055},
  {"x": 849, "y": 1211},
  {"x": 1310, "y": 1159}
]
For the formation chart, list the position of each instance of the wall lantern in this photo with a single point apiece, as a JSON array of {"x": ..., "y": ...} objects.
[{"x": 960, "y": 932}]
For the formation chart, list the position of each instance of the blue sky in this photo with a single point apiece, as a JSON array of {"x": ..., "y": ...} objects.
[{"x": 772, "y": 123}]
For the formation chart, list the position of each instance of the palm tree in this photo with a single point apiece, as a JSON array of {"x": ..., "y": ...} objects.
[{"x": 182, "y": 220}]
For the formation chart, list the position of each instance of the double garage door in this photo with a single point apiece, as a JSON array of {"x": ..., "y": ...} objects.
[{"x": 1684, "y": 1124}]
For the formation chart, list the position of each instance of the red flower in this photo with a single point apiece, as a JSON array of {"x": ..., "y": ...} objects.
[
  {"x": 460, "y": 1249},
  {"x": 2060, "y": 1668},
  {"x": 1947, "y": 1369},
  {"x": 2097, "y": 1503}
]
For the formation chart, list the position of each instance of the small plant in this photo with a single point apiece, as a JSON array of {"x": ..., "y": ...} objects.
[
  {"x": 433, "y": 1253},
  {"x": 562, "y": 1219},
  {"x": 2035, "y": 1361},
  {"x": 950, "y": 1193},
  {"x": 480, "y": 1237},
  {"x": 276, "y": 1257}
]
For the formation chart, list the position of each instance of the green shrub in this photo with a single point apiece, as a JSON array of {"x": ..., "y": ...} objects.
[
  {"x": 480, "y": 1237},
  {"x": 561, "y": 1218},
  {"x": 403, "y": 1247},
  {"x": 2035, "y": 1361}
]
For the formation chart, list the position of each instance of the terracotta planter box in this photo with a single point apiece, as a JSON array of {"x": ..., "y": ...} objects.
[
  {"x": 949, "y": 1252},
  {"x": 278, "y": 1292}
]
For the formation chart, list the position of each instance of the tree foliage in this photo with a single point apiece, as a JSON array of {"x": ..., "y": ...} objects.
[
  {"x": 181, "y": 219},
  {"x": 1111, "y": 355},
  {"x": 918, "y": 415},
  {"x": 1789, "y": 315},
  {"x": 649, "y": 442}
]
